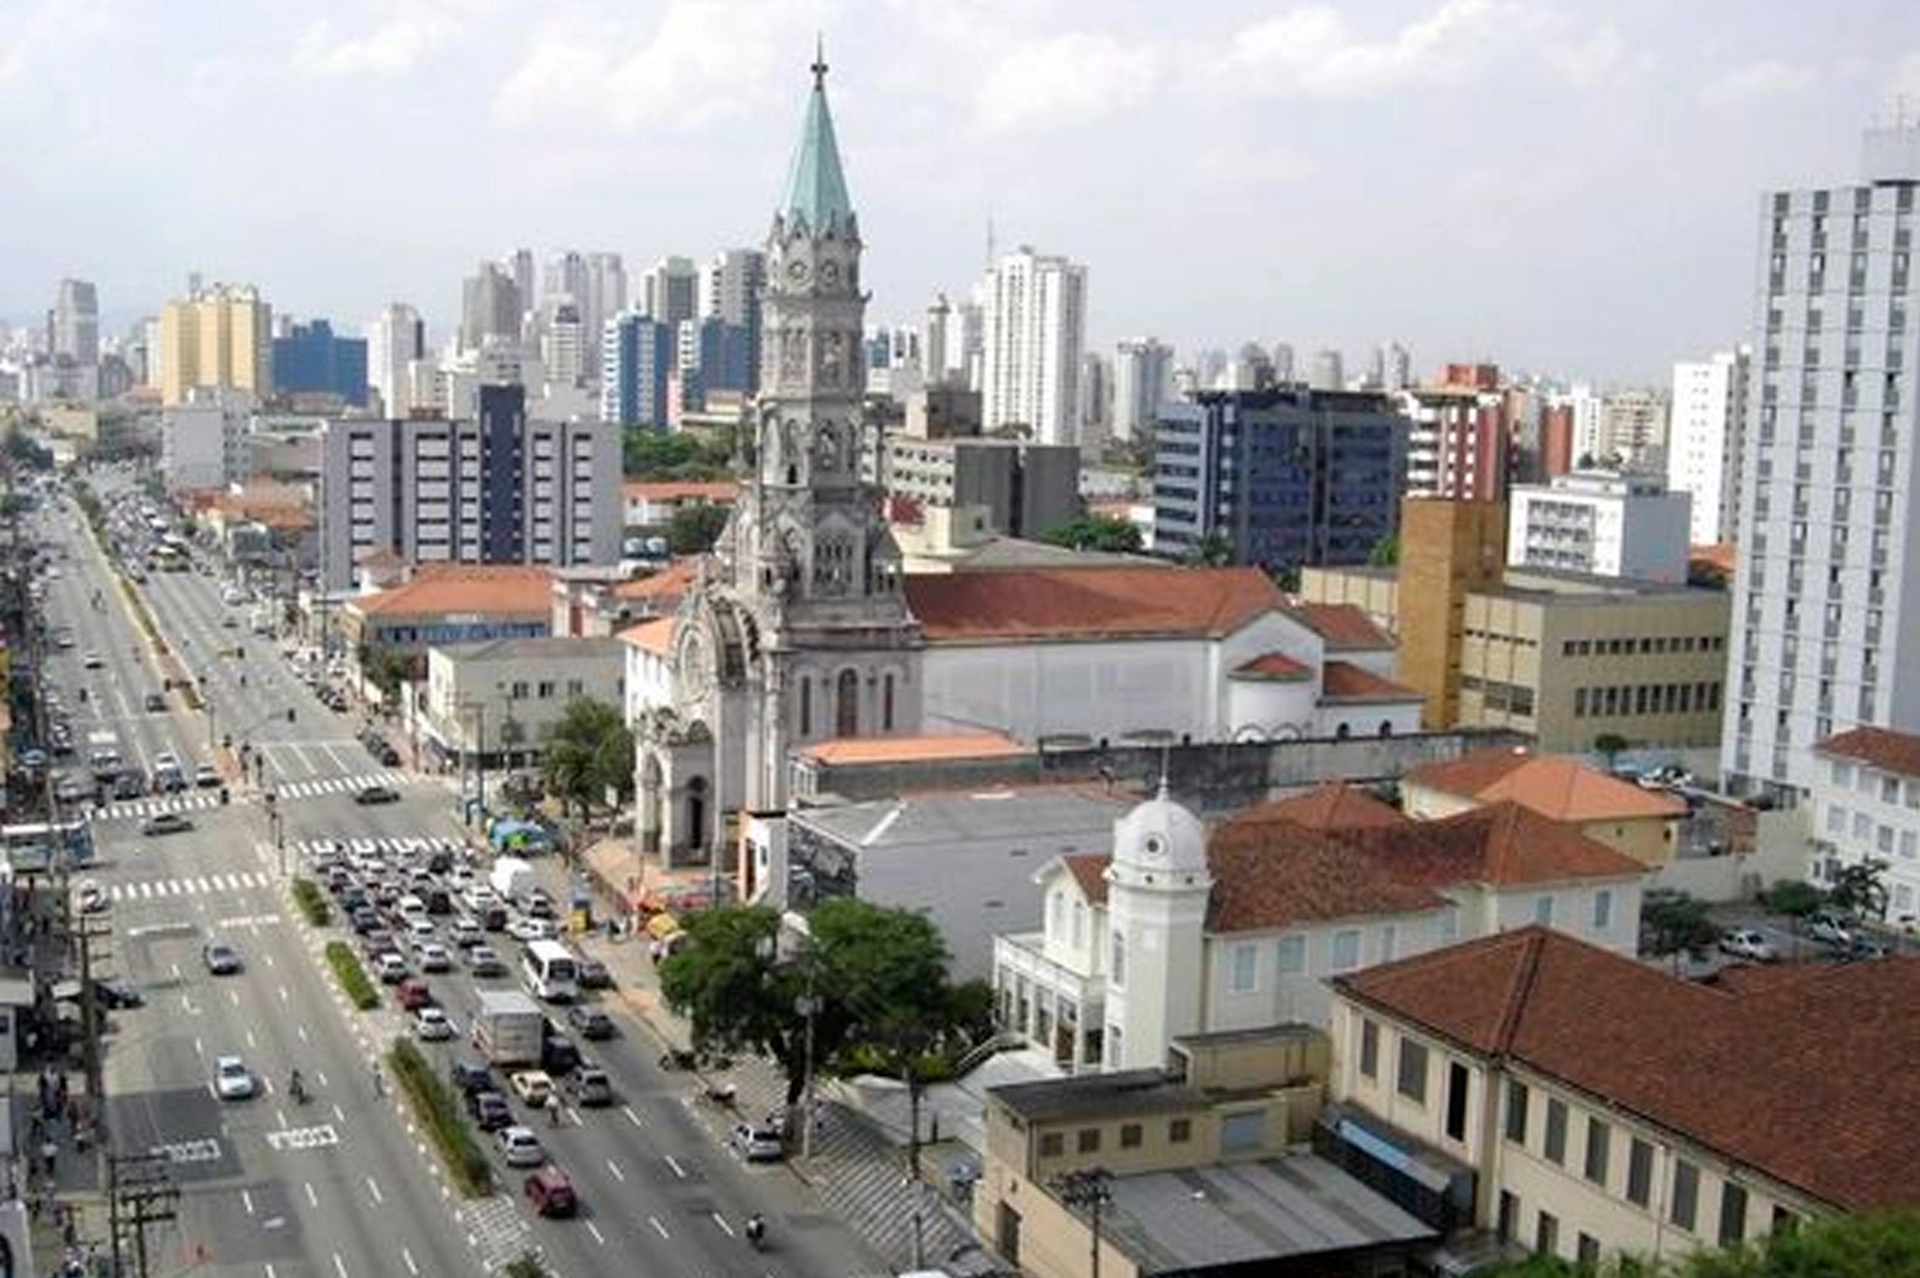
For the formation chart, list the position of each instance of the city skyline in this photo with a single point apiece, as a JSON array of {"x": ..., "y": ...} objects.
[{"x": 1349, "y": 177}]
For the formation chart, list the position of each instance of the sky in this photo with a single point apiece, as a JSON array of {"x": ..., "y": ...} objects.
[{"x": 1559, "y": 187}]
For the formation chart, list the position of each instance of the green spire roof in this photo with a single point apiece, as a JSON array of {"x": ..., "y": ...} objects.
[{"x": 816, "y": 186}]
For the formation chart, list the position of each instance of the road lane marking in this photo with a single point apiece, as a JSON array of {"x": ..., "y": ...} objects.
[
  {"x": 199, "y": 1049},
  {"x": 339, "y": 1265},
  {"x": 322, "y": 1077},
  {"x": 268, "y": 958},
  {"x": 721, "y": 1221},
  {"x": 234, "y": 997},
  {"x": 615, "y": 1169},
  {"x": 339, "y": 1114},
  {"x": 283, "y": 994},
  {"x": 415, "y": 1269},
  {"x": 270, "y": 1273},
  {"x": 246, "y": 1200},
  {"x": 374, "y": 1189},
  {"x": 313, "y": 1199},
  {"x": 597, "y": 1236},
  {"x": 301, "y": 1030},
  {"x": 631, "y": 1116},
  {"x": 678, "y": 1170},
  {"x": 250, "y": 1043},
  {"x": 658, "y": 1228}
]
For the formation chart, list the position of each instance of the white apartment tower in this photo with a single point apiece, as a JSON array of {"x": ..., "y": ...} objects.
[
  {"x": 1826, "y": 610},
  {"x": 75, "y": 322},
  {"x": 1035, "y": 333},
  {"x": 394, "y": 341},
  {"x": 1704, "y": 430},
  {"x": 1142, "y": 382}
]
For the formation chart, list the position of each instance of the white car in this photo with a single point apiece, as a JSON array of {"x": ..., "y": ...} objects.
[
  {"x": 390, "y": 968},
  {"x": 431, "y": 1025},
  {"x": 90, "y": 897},
  {"x": 532, "y": 1086},
  {"x": 232, "y": 1080},
  {"x": 420, "y": 927},
  {"x": 433, "y": 957},
  {"x": 525, "y": 929},
  {"x": 411, "y": 907},
  {"x": 521, "y": 1147},
  {"x": 1745, "y": 943},
  {"x": 465, "y": 931}
]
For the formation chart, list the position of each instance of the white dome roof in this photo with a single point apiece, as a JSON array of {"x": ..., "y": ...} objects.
[{"x": 1161, "y": 835}]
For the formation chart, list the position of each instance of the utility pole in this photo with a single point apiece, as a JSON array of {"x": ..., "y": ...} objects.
[
  {"x": 139, "y": 1193},
  {"x": 88, "y": 929},
  {"x": 1092, "y": 1188}
]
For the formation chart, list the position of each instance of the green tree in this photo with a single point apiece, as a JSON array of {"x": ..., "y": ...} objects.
[
  {"x": 873, "y": 974},
  {"x": 1214, "y": 551},
  {"x": 1385, "y": 552},
  {"x": 647, "y": 453},
  {"x": 1860, "y": 889},
  {"x": 1795, "y": 898},
  {"x": 589, "y": 751},
  {"x": 386, "y": 668},
  {"x": 1676, "y": 923},
  {"x": 694, "y": 528},
  {"x": 1871, "y": 1246},
  {"x": 1610, "y": 745},
  {"x": 1097, "y": 532}
]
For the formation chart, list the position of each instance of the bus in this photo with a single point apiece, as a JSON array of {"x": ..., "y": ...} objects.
[
  {"x": 550, "y": 971},
  {"x": 38, "y": 849}
]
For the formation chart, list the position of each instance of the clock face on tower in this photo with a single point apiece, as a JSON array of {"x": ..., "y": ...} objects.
[
  {"x": 797, "y": 271},
  {"x": 830, "y": 273},
  {"x": 692, "y": 667}
]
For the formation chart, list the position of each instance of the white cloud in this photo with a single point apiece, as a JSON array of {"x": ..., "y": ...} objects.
[
  {"x": 1066, "y": 78},
  {"x": 705, "y": 60},
  {"x": 1903, "y": 85},
  {"x": 1768, "y": 78},
  {"x": 1310, "y": 50},
  {"x": 404, "y": 33}
]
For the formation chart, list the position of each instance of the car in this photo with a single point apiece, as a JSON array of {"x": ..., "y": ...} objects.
[
  {"x": 588, "y": 1086},
  {"x": 489, "y": 1109},
  {"x": 465, "y": 930},
  {"x": 419, "y": 929},
  {"x": 550, "y": 1193},
  {"x": 165, "y": 823},
  {"x": 156, "y": 703},
  {"x": 168, "y": 780},
  {"x": 1864, "y": 947},
  {"x": 470, "y": 1075},
  {"x": 593, "y": 975},
  {"x": 92, "y": 661},
  {"x": 1828, "y": 929},
  {"x": 129, "y": 784},
  {"x": 525, "y": 929},
  {"x": 759, "y": 1142},
  {"x": 115, "y": 993},
  {"x": 33, "y": 760},
  {"x": 410, "y": 907},
  {"x": 1745, "y": 943},
  {"x": 431, "y": 1025},
  {"x": 389, "y": 967},
  {"x": 205, "y": 777},
  {"x": 484, "y": 963},
  {"x": 373, "y": 794},
  {"x": 520, "y": 1146},
  {"x": 90, "y": 897},
  {"x": 232, "y": 1080},
  {"x": 388, "y": 756},
  {"x": 590, "y": 1022},
  {"x": 221, "y": 958},
  {"x": 365, "y": 919},
  {"x": 532, "y": 1086},
  {"x": 432, "y": 957}
]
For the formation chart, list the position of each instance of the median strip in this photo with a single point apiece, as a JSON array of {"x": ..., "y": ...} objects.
[
  {"x": 354, "y": 981},
  {"x": 312, "y": 902},
  {"x": 438, "y": 1109}
]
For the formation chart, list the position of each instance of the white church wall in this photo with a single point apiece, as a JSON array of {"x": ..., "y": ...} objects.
[
  {"x": 1102, "y": 690},
  {"x": 1072, "y": 925},
  {"x": 1364, "y": 719},
  {"x": 1267, "y": 709}
]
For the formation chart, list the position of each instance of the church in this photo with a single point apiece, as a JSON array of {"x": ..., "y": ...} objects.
[{"x": 801, "y": 627}]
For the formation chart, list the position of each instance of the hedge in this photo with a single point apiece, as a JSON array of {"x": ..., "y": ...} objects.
[
  {"x": 438, "y": 1109},
  {"x": 312, "y": 902},
  {"x": 352, "y": 977}
]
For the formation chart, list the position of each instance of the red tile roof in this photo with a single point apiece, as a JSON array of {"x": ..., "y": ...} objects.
[
  {"x": 1089, "y": 870},
  {"x": 1342, "y": 627},
  {"x": 1553, "y": 785},
  {"x": 1502, "y": 844},
  {"x": 723, "y": 492},
  {"x": 1089, "y": 603},
  {"x": 655, "y": 636},
  {"x": 1274, "y": 667},
  {"x": 671, "y": 581},
  {"x": 1882, "y": 748},
  {"x": 1279, "y": 875},
  {"x": 1344, "y": 681},
  {"x": 1333, "y": 806},
  {"x": 1808, "y": 1081},
  {"x": 492, "y": 590},
  {"x": 955, "y": 745}
]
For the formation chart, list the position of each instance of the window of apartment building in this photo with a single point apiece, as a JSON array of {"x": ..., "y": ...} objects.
[
  {"x": 1087, "y": 1141},
  {"x": 1346, "y": 950},
  {"x": 1836, "y": 820},
  {"x": 1599, "y": 1150},
  {"x": 576, "y": 687},
  {"x": 1130, "y": 1136},
  {"x": 1556, "y": 1144},
  {"x": 1603, "y": 909},
  {"x": 1543, "y": 910},
  {"x": 517, "y": 690},
  {"x": 1389, "y": 942},
  {"x": 544, "y": 689},
  {"x": 1784, "y": 1220},
  {"x": 1546, "y": 1234},
  {"x": 1369, "y": 1048},
  {"x": 1518, "y": 1101},
  {"x": 1179, "y": 1131},
  {"x": 1052, "y": 1144},
  {"x": 1685, "y": 1207},
  {"x": 1733, "y": 1214},
  {"x": 1459, "y": 1088},
  {"x": 1244, "y": 971},
  {"x": 1290, "y": 955},
  {"x": 1412, "y": 1080},
  {"x": 1587, "y": 1252}
]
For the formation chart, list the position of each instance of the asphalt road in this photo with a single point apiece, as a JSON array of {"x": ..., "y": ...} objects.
[{"x": 339, "y": 1186}]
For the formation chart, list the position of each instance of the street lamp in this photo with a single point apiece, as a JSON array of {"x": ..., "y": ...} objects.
[{"x": 1092, "y": 1188}]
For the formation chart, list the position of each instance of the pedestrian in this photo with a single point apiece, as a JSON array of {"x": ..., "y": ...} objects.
[
  {"x": 49, "y": 1155},
  {"x": 553, "y": 1108}
]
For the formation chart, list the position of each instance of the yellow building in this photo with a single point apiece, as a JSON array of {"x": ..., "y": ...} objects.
[
  {"x": 1591, "y": 1106},
  {"x": 1566, "y": 658},
  {"x": 220, "y": 337},
  {"x": 1447, "y": 550}
]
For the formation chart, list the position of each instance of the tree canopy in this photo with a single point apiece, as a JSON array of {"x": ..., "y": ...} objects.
[
  {"x": 1676, "y": 923},
  {"x": 694, "y": 528},
  {"x": 647, "y": 453},
  {"x": 589, "y": 751},
  {"x": 1097, "y": 532},
  {"x": 1842, "y": 1247},
  {"x": 1860, "y": 889},
  {"x": 877, "y": 976}
]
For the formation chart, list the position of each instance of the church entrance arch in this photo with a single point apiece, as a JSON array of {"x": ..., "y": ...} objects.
[
  {"x": 846, "y": 706},
  {"x": 697, "y": 812}
]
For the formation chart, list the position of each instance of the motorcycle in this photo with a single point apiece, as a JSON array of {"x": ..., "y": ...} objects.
[{"x": 756, "y": 1232}]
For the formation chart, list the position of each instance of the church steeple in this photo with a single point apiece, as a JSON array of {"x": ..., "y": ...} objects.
[{"x": 816, "y": 184}]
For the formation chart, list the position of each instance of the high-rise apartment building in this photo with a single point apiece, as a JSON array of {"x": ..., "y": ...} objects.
[
  {"x": 490, "y": 307},
  {"x": 1705, "y": 437},
  {"x": 218, "y": 337},
  {"x": 606, "y": 297},
  {"x": 1633, "y": 429},
  {"x": 394, "y": 340},
  {"x": 566, "y": 276},
  {"x": 638, "y": 366},
  {"x": 731, "y": 288},
  {"x": 1142, "y": 382},
  {"x": 670, "y": 291},
  {"x": 1826, "y": 615},
  {"x": 1035, "y": 319},
  {"x": 1287, "y": 476},
  {"x": 1328, "y": 372},
  {"x": 518, "y": 266},
  {"x": 1096, "y": 397},
  {"x": 1458, "y": 442},
  {"x": 562, "y": 341},
  {"x": 496, "y": 488},
  {"x": 74, "y": 325},
  {"x": 311, "y": 360},
  {"x": 1600, "y": 523}
]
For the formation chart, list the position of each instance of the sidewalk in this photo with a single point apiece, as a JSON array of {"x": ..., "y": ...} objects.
[{"x": 857, "y": 1170}]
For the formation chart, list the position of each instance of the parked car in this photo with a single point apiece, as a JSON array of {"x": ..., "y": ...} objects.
[
  {"x": 550, "y": 1193},
  {"x": 1828, "y": 929},
  {"x": 1745, "y": 943},
  {"x": 521, "y": 1147},
  {"x": 115, "y": 993},
  {"x": 759, "y": 1142}
]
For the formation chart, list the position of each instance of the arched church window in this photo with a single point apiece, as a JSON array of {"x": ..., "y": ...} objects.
[
  {"x": 806, "y": 706},
  {"x": 886, "y": 704},
  {"x": 697, "y": 812},
  {"x": 846, "y": 714}
]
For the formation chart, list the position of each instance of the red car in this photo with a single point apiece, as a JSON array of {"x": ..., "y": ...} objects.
[
  {"x": 415, "y": 994},
  {"x": 551, "y": 1193}
]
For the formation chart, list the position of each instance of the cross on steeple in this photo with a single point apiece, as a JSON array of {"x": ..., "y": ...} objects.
[{"x": 819, "y": 67}]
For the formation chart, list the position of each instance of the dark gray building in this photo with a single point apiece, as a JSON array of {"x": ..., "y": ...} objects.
[
  {"x": 1028, "y": 489},
  {"x": 1290, "y": 476}
]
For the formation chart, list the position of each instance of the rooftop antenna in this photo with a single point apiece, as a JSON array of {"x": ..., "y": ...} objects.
[
  {"x": 991, "y": 244},
  {"x": 819, "y": 67}
]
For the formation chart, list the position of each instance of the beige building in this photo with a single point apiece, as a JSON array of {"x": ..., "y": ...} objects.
[
  {"x": 1199, "y": 1165},
  {"x": 219, "y": 337},
  {"x": 1570, "y": 659},
  {"x": 1589, "y": 1106},
  {"x": 1643, "y": 824}
]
